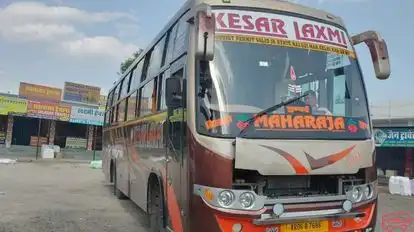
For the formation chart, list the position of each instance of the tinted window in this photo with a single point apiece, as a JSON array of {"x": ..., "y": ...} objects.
[
  {"x": 171, "y": 41},
  {"x": 116, "y": 93},
  {"x": 161, "y": 92},
  {"x": 109, "y": 101},
  {"x": 147, "y": 100},
  {"x": 125, "y": 86},
  {"x": 136, "y": 75},
  {"x": 121, "y": 111},
  {"x": 145, "y": 66},
  {"x": 111, "y": 115},
  {"x": 132, "y": 104},
  {"x": 115, "y": 114},
  {"x": 181, "y": 38},
  {"x": 156, "y": 58},
  {"x": 107, "y": 117}
]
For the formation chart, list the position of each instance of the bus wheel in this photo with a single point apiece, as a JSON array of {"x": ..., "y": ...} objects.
[
  {"x": 155, "y": 208},
  {"x": 117, "y": 192}
]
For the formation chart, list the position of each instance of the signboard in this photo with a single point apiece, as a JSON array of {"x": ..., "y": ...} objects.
[
  {"x": 48, "y": 110},
  {"x": 394, "y": 137},
  {"x": 39, "y": 92},
  {"x": 102, "y": 101},
  {"x": 72, "y": 142},
  {"x": 81, "y": 93},
  {"x": 87, "y": 115},
  {"x": 281, "y": 30},
  {"x": 34, "y": 141},
  {"x": 12, "y": 105}
]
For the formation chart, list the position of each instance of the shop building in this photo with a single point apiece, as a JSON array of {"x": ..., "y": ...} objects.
[
  {"x": 394, "y": 137},
  {"x": 71, "y": 118}
]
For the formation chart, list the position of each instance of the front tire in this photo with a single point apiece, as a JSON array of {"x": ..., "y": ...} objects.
[{"x": 155, "y": 209}]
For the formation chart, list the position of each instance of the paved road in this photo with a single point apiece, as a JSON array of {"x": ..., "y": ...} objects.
[{"x": 71, "y": 197}]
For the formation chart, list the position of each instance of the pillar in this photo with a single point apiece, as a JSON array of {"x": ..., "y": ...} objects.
[
  {"x": 90, "y": 137},
  {"x": 408, "y": 169},
  {"x": 52, "y": 132},
  {"x": 9, "y": 134}
]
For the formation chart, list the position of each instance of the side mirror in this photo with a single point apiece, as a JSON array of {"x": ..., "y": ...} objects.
[
  {"x": 205, "y": 24},
  {"x": 378, "y": 50},
  {"x": 173, "y": 95}
]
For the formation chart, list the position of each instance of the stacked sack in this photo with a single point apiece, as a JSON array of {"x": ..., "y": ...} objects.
[{"x": 400, "y": 185}]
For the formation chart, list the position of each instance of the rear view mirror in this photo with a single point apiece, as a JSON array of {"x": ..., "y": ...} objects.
[
  {"x": 378, "y": 50},
  {"x": 173, "y": 95},
  {"x": 205, "y": 31}
]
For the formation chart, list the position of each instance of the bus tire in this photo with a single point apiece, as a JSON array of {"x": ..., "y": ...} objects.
[
  {"x": 155, "y": 208},
  {"x": 120, "y": 195}
]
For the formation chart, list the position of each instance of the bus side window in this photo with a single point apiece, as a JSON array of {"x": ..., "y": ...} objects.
[
  {"x": 170, "y": 43},
  {"x": 131, "y": 106},
  {"x": 176, "y": 120},
  {"x": 181, "y": 38},
  {"x": 146, "y": 98},
  {"x": 161, "y": 92}
]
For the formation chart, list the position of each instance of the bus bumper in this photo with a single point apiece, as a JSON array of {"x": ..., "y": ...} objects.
[{"x": 362, "y": 219}]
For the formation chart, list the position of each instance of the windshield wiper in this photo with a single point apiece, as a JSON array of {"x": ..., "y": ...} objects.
[{"x": 270, "y": 109}]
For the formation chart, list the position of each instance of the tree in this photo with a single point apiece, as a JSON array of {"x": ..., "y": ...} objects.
[{"x": 125, "y": 65}]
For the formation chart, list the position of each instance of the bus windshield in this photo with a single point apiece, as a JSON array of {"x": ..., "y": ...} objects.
[{"x": 247, "y": 77}]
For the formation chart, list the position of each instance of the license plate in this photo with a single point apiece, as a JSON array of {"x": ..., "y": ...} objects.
[{"x": 311, "y": 226}]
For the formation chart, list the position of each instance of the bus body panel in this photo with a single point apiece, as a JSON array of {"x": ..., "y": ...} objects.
[
  {"x": 303, "y": 156},
  {"x": 210, "y": 169}
]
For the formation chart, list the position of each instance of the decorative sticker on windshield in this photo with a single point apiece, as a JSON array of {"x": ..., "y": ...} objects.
[
  {"x": 300, "y": 123},
  {"x": 292, "y": 74},
  {"x": 225, "y": 121},
  {"x": 281, "y": 30},
  {"x": 298, "y": 109}
]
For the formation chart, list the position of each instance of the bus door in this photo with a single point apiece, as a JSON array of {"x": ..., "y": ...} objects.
[{"x": 177, "y": 181}]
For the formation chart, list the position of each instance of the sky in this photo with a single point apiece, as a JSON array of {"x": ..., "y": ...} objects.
[{"x": 49, "y": 42}]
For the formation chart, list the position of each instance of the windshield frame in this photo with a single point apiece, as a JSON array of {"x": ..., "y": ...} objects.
[{"x": 272, "y": 11}]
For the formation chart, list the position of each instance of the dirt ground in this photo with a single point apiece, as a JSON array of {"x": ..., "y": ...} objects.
[{"x": 71, "y": 197}]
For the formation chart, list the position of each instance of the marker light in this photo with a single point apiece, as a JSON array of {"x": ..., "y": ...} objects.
[{"x": 208, "y": 194}]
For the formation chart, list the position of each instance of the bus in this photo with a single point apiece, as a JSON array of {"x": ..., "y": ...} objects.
[{"x": 247, "y": 115}]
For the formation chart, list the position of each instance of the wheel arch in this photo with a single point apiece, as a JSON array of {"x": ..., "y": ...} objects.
[{"x": 155, "y": 177}]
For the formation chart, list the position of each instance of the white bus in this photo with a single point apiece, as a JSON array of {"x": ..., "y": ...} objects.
[{"x": 247, "y": 115}]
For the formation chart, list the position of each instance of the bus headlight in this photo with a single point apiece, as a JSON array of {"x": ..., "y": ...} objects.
[
  {"x": 357, "y": 194},
  {"x": 368, "y": 193},
  {"x": 231, "y": 199},
  {"x": 361, "y": 193},
  {"x": 225, "y": 198},
  {"x": 246, "y": 199}
]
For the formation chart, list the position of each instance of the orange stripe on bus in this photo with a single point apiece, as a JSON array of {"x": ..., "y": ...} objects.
[
  {"x": 172, "y": 205},
  {"x": 296, "y": 165}
]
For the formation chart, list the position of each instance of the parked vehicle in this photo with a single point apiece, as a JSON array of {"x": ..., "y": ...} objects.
[{"x": 247, "y": 116}]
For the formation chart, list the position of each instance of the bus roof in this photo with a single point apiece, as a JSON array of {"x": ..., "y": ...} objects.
[{"x": 279, "y": 5}]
